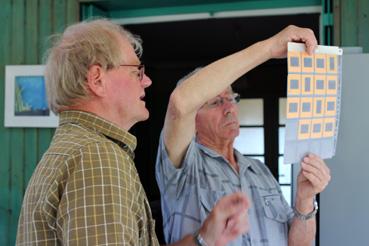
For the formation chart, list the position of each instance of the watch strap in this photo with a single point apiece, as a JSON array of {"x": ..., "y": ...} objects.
[
  {"x": 308, "y": 216},
  {"x": 199, "y": 240}
]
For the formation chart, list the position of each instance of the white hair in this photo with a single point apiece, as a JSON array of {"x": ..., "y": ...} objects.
[{"x": 73, "y": 52}]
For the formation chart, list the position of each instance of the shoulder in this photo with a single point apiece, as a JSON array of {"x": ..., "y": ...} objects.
[
  {"x": 191, "y": 152},
  {"x": 75, "y": 144}
]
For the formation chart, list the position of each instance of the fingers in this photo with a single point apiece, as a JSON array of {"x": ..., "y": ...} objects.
[
  {"x": 236, "y": 224},
  {"x": 316, "y": 171},
  {"x": 292, "y": 34},
  {"x": 235, "y": 227},
  {"x": 316, "y": 162},
  {"x": 232, "y": 205},
  {"x": 308, "y": 37},
  {"x": 305, "y": 35},
  {"x": 227, "y": 219}
]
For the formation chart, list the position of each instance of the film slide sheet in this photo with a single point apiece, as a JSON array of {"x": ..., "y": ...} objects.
[{"x": 313, "y": 102}]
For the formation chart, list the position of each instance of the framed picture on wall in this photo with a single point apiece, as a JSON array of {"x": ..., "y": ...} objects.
[{"x": 25, "y": 98}]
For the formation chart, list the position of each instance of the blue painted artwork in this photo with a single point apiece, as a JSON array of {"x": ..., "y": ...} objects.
[{"x": 30, "y": 96}]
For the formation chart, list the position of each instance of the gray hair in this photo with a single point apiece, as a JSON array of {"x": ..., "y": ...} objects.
[{"x": 73, "y": 52}]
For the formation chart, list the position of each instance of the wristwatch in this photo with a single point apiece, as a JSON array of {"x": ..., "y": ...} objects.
[
  {"x": 308, "y": 216},
  {"x": 199, "y": 241}
]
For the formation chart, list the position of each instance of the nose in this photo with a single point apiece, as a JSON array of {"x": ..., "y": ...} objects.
[
  {"x": 146, "y": 81},
  {"x": 229, "y": 107}
]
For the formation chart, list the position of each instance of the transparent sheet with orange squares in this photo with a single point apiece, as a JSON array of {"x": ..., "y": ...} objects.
[{"x": 313, "y": 102}]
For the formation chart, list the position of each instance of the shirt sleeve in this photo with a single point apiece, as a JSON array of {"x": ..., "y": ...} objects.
[
  {"x": 166, "y": 173},
  {"x": 178, "y": 189},
  {"x": 100, "y": 204}
]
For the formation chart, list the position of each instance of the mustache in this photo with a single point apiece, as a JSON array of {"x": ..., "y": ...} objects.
[{"x": 230, "y": 118}]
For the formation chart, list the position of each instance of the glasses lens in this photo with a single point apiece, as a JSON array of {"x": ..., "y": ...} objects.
[
  {"x": 219, "y": 101},
  {"x": 142, "y": 71},
  {"x": 236, "y": 97}
]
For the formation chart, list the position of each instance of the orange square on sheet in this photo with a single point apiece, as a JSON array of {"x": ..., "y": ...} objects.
[
  {"x": 307, "y": 62},
  {"x": 294, "y": 84},
  {"x": 332, "y": 63},
  {"x": 316, "y": 128},
  {"x": 332, "y": 84},
  {"x": 294, "y": 62},
  {"x": 330, "y": 106},
  {"x": 293, "y": 107},
  {"x": 304, "y": 129},
  {"x": 329, "y": 127},
  {"x": 306, "y": 107},
  {"x": 319, "y": 106},
  {"x": 307, "y": 82},
  {"x": 320, "y": 63},
  {"x": 319, "y": 84}
]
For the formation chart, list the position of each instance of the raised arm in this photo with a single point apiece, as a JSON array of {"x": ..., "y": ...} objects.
[{"x": 210, "y": 81}]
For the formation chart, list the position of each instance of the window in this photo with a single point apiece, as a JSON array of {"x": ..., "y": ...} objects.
[
  {"x": 284, "y": 170},
  {"x": 250, "y": 142}
]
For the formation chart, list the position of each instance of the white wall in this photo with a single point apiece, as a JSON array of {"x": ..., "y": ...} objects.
[{"x": 344, "y": 205}]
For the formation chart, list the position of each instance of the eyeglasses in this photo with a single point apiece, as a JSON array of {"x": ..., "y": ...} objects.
[
  {"x": 140, "y": 67},
  {"x": 234, "y": 98}
]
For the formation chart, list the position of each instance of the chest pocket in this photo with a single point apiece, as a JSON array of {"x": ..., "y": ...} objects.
[{"x": 274, "y": 209}]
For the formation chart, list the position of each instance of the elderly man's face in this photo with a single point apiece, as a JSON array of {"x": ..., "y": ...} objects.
[
  {"x": 217, "y": 120},
  {"x": 127, "y": 90}
]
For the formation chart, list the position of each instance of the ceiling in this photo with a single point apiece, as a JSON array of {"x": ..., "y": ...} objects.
[{"x": 111, "y": 5}]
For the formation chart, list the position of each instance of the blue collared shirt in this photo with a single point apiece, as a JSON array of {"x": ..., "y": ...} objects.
[{"x": 189, "y": 193}]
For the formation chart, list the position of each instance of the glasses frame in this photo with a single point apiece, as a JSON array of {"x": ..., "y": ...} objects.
[
  {"x": 140, "y": 67},
  {"x": 234, "y": 99}
]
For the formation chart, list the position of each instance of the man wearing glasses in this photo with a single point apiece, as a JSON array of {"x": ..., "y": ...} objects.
[
  {"x": 197, "y": 164},
  {"x": 86, "y": 190}
]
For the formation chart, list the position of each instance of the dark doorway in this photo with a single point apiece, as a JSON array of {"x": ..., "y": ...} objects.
[{"x": 172, "y": 49}]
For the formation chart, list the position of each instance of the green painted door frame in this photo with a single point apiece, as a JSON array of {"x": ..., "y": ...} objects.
[{"x": 213, "y": 10}]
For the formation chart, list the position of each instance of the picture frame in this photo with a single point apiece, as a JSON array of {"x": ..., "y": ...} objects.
[{"x": 25, "y": 98}]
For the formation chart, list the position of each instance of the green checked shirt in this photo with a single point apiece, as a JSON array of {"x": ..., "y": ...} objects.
[{"x": 86, "y": 189}]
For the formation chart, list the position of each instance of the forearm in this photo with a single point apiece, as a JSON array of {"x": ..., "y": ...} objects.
[
  {"x": 217, "y": 76},
  {"x": 213, "y": 79},
  {"x": 302, "y": 232},
  {"x": 207, "y": 83}
]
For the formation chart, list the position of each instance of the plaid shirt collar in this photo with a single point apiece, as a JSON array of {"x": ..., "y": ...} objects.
[{"x": 91, "y": 121}]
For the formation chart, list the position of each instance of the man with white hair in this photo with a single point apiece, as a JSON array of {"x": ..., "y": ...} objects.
[
  {"x": 197, "y": 164},
  {"x": 86, "y": 189}
]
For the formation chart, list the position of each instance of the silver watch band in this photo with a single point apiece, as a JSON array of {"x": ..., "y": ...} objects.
[
  {"x": 199, "y": 240},
  {"x": 308, "y": 216}
]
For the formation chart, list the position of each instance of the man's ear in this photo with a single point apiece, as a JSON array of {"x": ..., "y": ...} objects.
[{"x": 95, "y": 81}]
